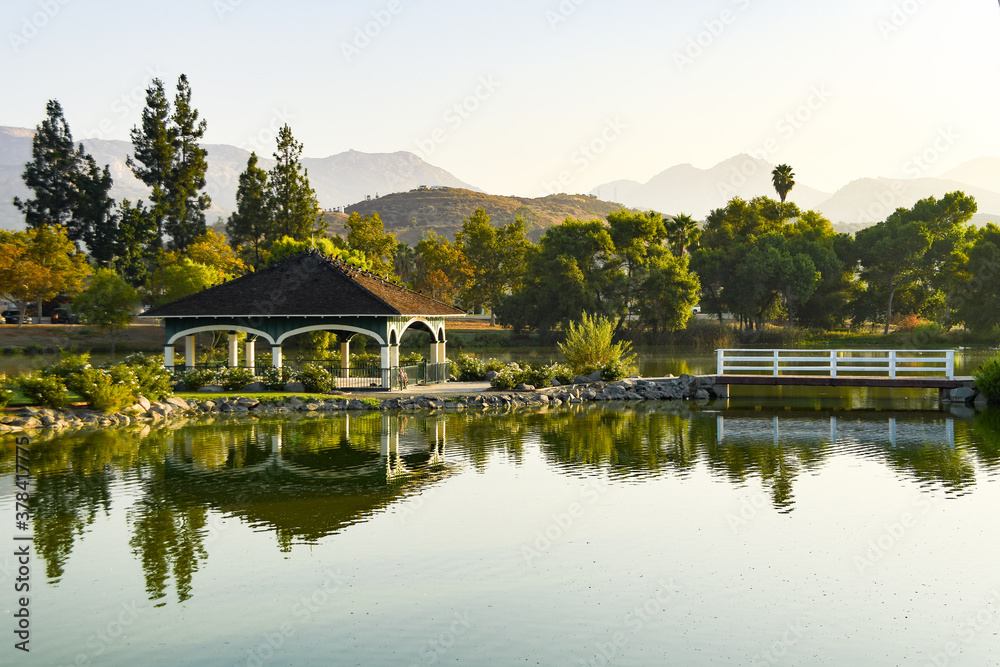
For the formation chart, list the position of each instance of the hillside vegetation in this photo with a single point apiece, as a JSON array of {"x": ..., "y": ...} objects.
[{"x": 409, "y": 215}]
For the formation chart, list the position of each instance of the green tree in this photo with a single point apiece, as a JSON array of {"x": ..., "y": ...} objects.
[
  {"x": 183, "y": 278},
  {"x": 168, "y": 159},
  {"x": 286, "y": 247},
  {"x": 187, "y": 200},
  {"x": 571, "y": 272},
  {"x": 783, "y": 179},
  {"x": 69, "y": 189},
  {"x": 250, "y": 225},
  {"x": 495, "y": 258},
  {"x": 366, "y": 234},
  {"x": 154, "y": 147},
  {"x": 441, "y": 268},
  {"x": 134, "y": 241},
  {"x": 294, "y": 208},
  {"x": 682, "y": 233},
  {"x": 109, "y": 302},
  {"x": 908, "y": 252},
  {"x": 669, "y": 294}
]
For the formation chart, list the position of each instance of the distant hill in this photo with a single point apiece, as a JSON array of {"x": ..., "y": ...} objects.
[
  {"x": 409, "y": 215},
  {"x": 338, "y": 179},
  {"x": 868, "y": 200},
  {"x": 687, "y": 189}
]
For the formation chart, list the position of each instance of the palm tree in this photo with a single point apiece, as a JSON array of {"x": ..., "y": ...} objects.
[
  {"x": 783, "y": 179},
  {"x": 682, "y": 233}
]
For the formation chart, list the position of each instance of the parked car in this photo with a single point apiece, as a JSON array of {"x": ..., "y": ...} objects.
[
  {"x": 63, "y": 316},
  {"x": 11, "y": 316}
]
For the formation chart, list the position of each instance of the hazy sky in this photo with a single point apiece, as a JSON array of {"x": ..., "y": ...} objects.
[{"x": 527, "y": 96}]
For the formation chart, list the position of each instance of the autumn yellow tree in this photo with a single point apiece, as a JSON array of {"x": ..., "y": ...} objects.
[
  {"x": 441, "y": 268},
  {"x": 38, "y": 264}
]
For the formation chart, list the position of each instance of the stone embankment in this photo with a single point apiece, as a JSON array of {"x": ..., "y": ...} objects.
[{"x": 686, "y": 387}]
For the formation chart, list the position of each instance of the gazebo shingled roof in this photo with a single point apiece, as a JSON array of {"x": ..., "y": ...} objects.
[{"x": 308, "y": 284}]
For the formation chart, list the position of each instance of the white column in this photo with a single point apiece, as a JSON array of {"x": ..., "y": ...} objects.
[
  {"x": 249, "y": 352},
  {"x": 442, "y": 352},
  {"x": 393, "y": 356},
  {"x": 386, "y": 365},
  {"x": 234, "y": 351},
  {"x": 189, "y": 350},
  {"x": 276, "y": 356},
  {"x": 345, "y": 358},
  {"x": 435, "y": 351},
  {"x": 168, "y": 356}
]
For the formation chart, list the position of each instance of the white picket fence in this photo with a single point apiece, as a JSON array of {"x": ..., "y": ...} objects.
[{"x": 930, "y": 363}]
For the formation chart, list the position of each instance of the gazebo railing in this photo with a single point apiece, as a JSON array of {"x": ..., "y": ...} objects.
[{"x": 361, "y": 376}]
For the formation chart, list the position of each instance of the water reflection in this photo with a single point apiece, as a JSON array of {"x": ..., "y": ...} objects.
[{"x": 304, "y": 479}]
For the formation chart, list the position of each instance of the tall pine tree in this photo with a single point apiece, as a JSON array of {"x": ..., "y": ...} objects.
[
  {"x": 169, "y": 159},
  {"x": 294, "y": 208},
  {"x": 153, "y": 145},
  {"x": 188, "y": 202},
  {"x": 69, "y": 189},
  {"x": 250, "y": 225}
]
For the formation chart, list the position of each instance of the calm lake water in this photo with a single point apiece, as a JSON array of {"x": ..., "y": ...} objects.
[{"x": 753, "y": 532}]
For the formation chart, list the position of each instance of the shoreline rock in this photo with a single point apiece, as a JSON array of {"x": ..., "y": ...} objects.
[{"x": 686, "y": 387}]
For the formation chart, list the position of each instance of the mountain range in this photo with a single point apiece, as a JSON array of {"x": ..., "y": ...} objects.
[
  {"x": 413, "y": 196},
  {"x": 339, "y": 180},
  {"x": 688, "y": 189}
]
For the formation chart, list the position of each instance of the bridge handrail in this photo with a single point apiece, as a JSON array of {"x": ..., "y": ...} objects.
[{"x": 777, "y": 361}]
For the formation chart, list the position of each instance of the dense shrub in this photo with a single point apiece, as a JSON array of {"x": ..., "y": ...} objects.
[
  {"x": 468, "y": 368},
  {"x": 987, "y": 378},
  {"x": 317, "y": 379},
  {"x": 47, "y": 390},
  {"x": 6, "y": 393},
  {"x": 615, "y": 370},
  {"x": 508, "y": 378},
  {"x": 590, "y": 345},
  {"x": 153, "y": 377},
  {"x": 275, "y": 379},
  {"x": 234, "y": 378},
  {"x": 69, "y": 366},
  {"x": 107, "y": 390},
  {"x": 196, "y": 378}
]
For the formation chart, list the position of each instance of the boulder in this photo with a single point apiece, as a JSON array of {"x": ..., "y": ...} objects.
[
  {"x": 490, "y": 375},
  {"x": 581, "y": 379},
  {"x": 962, "y": 394},
  {"x": 143, "y": 403},
  {"x": 211, "y": 389},
  {"x": 524, "y": 387},
  {"x": 701, "y": 395},
  {"x": 178, "y": 402},
  {"x": 293, "y": 387},
  {"x": 254, "y": 388},
  {"x": 595, "y": 376}
]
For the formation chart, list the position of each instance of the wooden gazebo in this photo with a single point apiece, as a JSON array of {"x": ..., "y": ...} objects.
[{"x": 308, "y": 292}]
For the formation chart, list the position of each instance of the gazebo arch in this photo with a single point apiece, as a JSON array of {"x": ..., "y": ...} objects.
[{"x": 308, "y": 292}]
